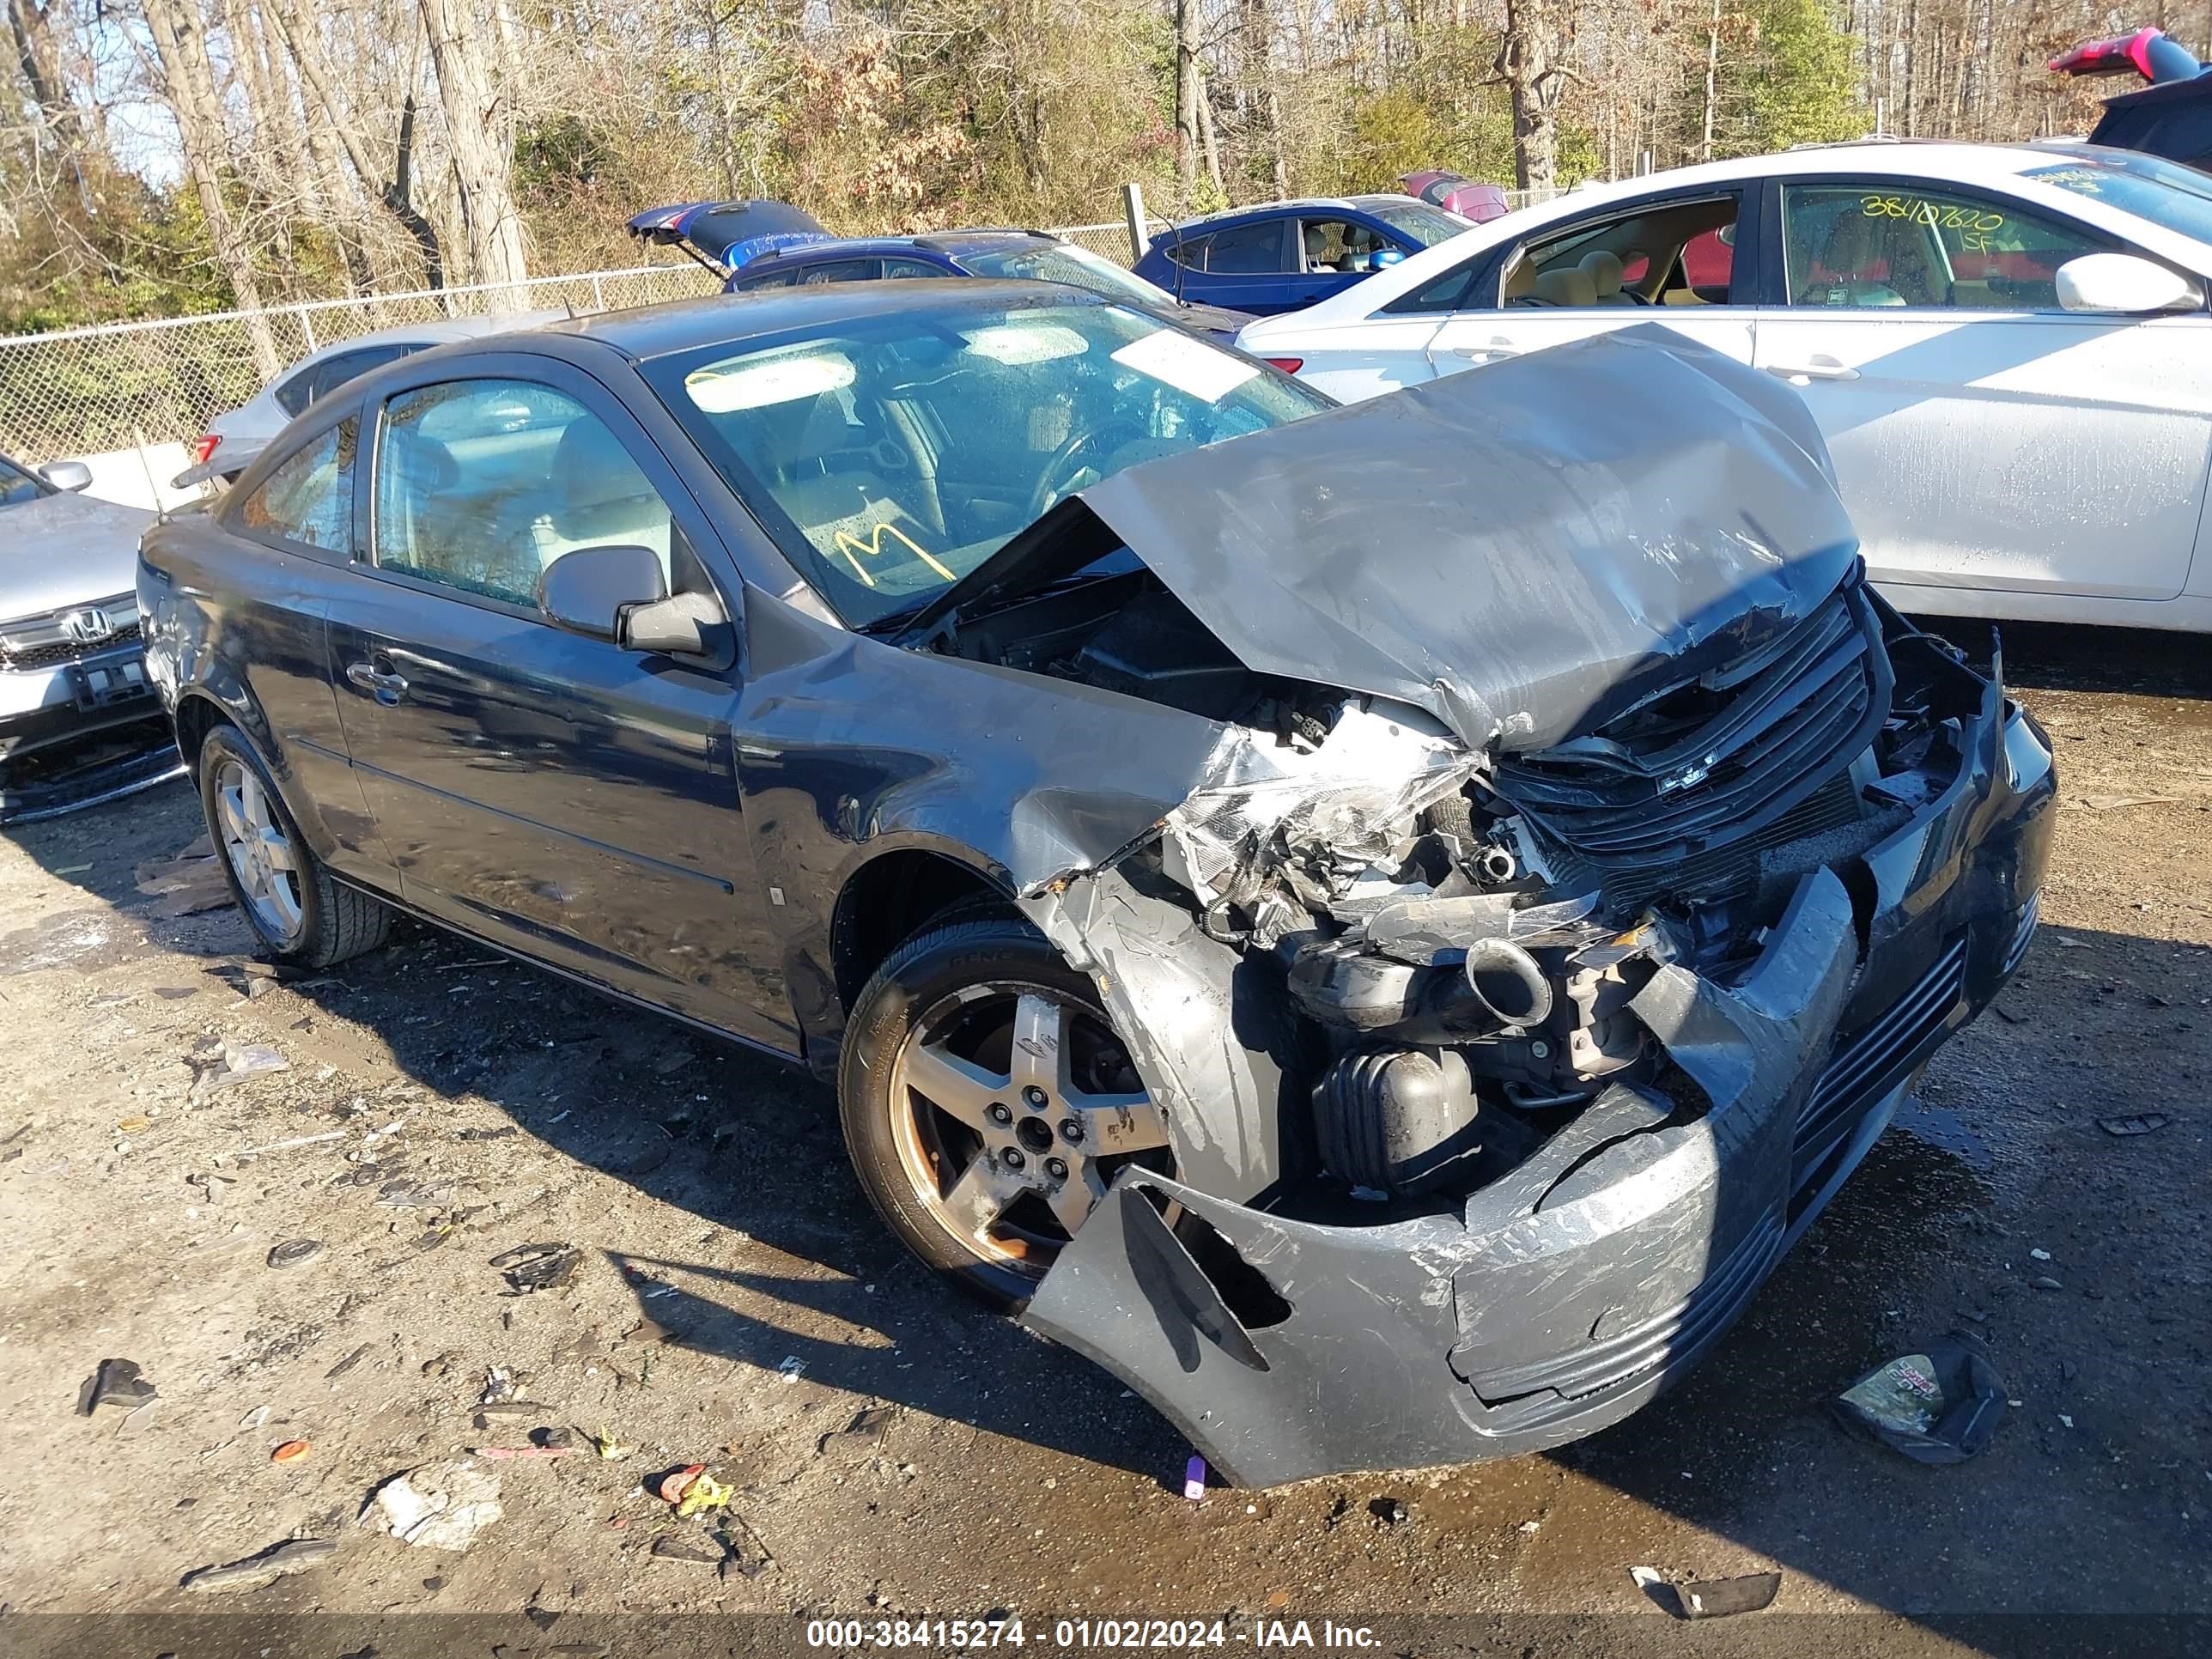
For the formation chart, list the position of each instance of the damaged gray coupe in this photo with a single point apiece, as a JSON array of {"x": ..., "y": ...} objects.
[{"x": 1378, "y": 926}]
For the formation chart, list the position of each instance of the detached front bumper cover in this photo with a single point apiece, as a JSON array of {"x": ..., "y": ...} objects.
[{"x": 1566, "y": 1296}]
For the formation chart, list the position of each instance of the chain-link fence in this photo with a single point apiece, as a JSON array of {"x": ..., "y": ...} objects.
[{"x": 83, "y": 390}]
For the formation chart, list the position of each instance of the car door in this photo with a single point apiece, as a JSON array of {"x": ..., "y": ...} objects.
[
  {"x": 555, "y": 793},
  {"x": 1983, "y": 436},
  {"x": 301, "y": 509},
  {"x": 1681, "y": 260},
  {"x": 1248, "y": 268},
  {"x": 1332, "y": 253}
]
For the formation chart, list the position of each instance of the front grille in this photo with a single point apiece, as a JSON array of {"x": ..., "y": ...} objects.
[
  {"x": 1866, "y": 1065},
  {"x": 1714, "y": 762},
  {"x": 2023, "y": 935},
  {"x": 1717, "y": 871},
  {"x": 49, "y": 656}
]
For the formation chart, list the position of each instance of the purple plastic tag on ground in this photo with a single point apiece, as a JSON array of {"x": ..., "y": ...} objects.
[{"x": 1193, "y": 1478}]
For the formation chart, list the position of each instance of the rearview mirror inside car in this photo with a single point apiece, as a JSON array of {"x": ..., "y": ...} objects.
[
  {"x": 66, "y": 475},
  {"x": 586, "y": 591},
  {"x": 2125, "y": 282}
]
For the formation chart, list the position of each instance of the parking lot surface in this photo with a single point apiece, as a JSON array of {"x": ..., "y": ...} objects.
[{"x": 894, "y": 1451}]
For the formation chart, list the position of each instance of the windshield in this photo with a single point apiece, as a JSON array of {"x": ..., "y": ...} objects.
[
  {"x": 2175, "y": 197},
  {"x": 1061, "y": 262},
  {"x": 890, "y": 455},
  {"x": 1426, "y": 225},
  {"x": 18, "y": 484}
]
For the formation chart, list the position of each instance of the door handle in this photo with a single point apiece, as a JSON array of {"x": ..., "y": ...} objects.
[
  {"x": 1496, "y": 349},
  {"x": 387, "y": 686},
  {"x": 1819, "y": 368}
]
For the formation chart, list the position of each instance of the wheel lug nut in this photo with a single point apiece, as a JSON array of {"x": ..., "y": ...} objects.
[
  {"x": 1071, "y": 1130},
  {"x": 1035, "y": 1097},
  {"x": 1012, "y": 1158},
  {"x": 1056, "y": 1168},
  {"x": 1000, "y": 1114}
]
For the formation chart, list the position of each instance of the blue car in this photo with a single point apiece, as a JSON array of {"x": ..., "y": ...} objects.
[
  {"x": 1028, "y": 254},
  {"x": 763, "y": 245},
  {"x": 1286, "y": 255}
]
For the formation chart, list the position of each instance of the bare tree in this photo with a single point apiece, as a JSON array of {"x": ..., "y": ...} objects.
[
  {"x": 188, "y": 81},
  {"x": 1532, "y": 63},
  {"x": 479, "y": 139}
]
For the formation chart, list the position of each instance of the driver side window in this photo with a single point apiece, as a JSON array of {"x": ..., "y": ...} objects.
[
  {"x": 480, "y": 485},
  {"x": 1889, "y": 244}
]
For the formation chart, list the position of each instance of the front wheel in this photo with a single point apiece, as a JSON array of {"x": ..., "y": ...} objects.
[
  {"x": 988, "y": 1103},
  {"x": 297, "y": 910}
]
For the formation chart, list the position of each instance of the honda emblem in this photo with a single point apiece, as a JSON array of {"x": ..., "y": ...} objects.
[{"x": 88, "y": 625}]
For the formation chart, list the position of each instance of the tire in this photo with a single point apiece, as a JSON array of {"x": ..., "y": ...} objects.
[
  {"x": 301, "y": 913},
  {"x": 963, "y": 989}
]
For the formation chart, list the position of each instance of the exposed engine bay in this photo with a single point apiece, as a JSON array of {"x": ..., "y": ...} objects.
[{"x": 1461, "y": 932}]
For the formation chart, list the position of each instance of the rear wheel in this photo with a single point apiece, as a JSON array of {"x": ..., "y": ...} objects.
[
  {"x": 294, "y": 907},
  {"x": 988, "y": 1103}
]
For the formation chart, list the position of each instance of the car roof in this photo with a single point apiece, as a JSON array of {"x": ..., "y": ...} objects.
[
  {"x": 1951, "y": 161},
  {"x": 733, "y": 319},
  {"x": 436, "y": 330},
  {"x": 948, "y": 243}
]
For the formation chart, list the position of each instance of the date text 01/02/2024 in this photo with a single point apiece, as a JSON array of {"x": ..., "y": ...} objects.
[{"x": 1084, "y": 1635}]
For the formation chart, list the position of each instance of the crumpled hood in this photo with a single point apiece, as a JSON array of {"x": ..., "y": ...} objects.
[
  {"x": 67, "y": 549},
  {"x": 1524, "y": 550}
]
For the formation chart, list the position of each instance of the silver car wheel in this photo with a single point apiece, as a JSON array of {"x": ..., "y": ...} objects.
[{"x": 260, "y": 853}]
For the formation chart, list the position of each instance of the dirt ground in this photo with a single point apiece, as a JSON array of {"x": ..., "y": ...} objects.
[{"x": 896, "y": 1453}]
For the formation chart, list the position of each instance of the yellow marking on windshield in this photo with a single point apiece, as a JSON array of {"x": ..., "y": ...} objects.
[{"x": 850, "y": 545}]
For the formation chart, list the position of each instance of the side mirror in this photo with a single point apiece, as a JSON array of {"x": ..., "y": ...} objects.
[
  {"x": 1383, "y": 257},
  {"x": 586, "y": 591},
  {"x": 2125, "y": 284},
  {"x": 66, "y": 475}
]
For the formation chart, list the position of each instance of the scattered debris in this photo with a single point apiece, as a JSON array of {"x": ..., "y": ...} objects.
[
  {"x": 512, "y": 1454},
  {"x": 190, "y": 881},
  {"x": 534, "y": 1268},
  {"x": 292, "y": 1451},
  {"x": 702, "y": 1494},
  {"x": 236, "y": 1063},
  {"x": 116, "y": 1383},
  {"x": 792, "y": 1368},
  {"x": 611, "y": 1448},
  {"x": 442, "y": 1506},
  {"x": 2138, "y": 1123},
  {"x": 2038, "y": 1256},
  {"x": 292, "y": 1145},
  {"x": 347, "y": 1363},
  {"x": 673, "y": 1484},
  {"x": 254, "y": 1418},
  {"x": 294, "y": 1251},
  {"x": 1193, "y": 1478},
  {"x": 863, "y": 1434},
  {"x": 1387, "y": 1511},
  {"x": 1718, "y": 1598},
  {"x": 2045, "y": 1282},
  {"x": 486, "y": 1134},
  {"x": 277, "y": 1561},
  {"x": 2116, "y": 803},
  {"x": 1940, "y": 1407},
  {"x": 701, "y": 1549}
]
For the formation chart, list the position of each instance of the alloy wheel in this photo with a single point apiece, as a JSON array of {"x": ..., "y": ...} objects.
[
  {"x": 260, "y": 853},
  {"x": 1013, "y": 1107}
]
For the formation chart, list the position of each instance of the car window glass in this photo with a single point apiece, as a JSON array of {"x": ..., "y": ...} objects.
[
  {"x": 894, "y": 269},
  {"x": 2176, "y": 198},
  {"x": 1673, "y": 253},
  {"x": 1889, "y": 243},
  {"x": 309, "y": 497},
  {"x": 889, "y": 455},
  {"x": 842, "y": 271},
  {"x": 1246, "y": 249},
  {"x": 1447, "y": 292},
  {"x": 1063, "y": 262},
  {"x": 480, "y": 485},
  {"x": 293, "y": 394},
  {"x": 16, "y": 485},
  {"x": 1338, "y": 244},
  {"x": 770, "y": 279},
  {"x": 1425, "y": 224},
  {"x": 333, "y": 373},
  {"x": 1189, "y": 252}
]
